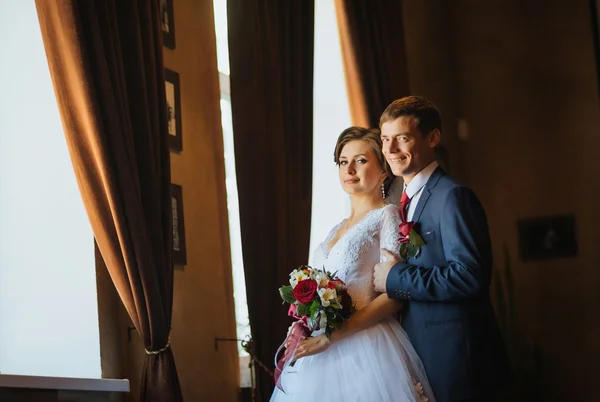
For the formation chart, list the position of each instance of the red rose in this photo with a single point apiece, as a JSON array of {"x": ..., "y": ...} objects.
[
  {"x": 405, "y": 228},
  {"x": 305, "y": 291}
]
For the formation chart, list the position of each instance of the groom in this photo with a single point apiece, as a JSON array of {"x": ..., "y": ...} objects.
[{"x": 448, "y": 317}]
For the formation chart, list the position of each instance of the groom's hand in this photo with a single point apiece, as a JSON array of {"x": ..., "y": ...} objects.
[{"x": 382, "y": 270}]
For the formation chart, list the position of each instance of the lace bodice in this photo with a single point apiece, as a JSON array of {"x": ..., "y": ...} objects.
[{"x": 358, "y": 250}]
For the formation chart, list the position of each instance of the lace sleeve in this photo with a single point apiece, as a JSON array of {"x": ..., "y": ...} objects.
[{"x": 389, "y": 230}]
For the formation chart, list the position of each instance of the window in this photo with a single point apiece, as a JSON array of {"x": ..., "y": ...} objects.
[
  {"x": 48, "y": 300},
  {"x": 239, "y": 284},
  {"x": 331, "y": 115}
]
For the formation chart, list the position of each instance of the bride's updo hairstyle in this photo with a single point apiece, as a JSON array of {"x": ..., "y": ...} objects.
[{"x": 372, "y": 137}]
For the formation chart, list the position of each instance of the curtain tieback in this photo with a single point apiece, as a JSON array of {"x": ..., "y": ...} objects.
[{"x": 156, "y": 352}]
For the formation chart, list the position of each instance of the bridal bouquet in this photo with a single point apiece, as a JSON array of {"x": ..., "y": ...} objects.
[
  {"x": 318, "y": 301},
  {"x": 318, "y": 298}
]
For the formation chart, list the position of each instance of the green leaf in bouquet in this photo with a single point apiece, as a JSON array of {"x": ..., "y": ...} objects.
[
  {"x": 314, "y": 307},
  {"x": 313, "y": 323},
  {"x": 335, "y": 304},
  {"x": 313, "y": 320},
  {"x": 328, "y": 332},
  {"x": 303, "y": 309},
  {"x": 332, "y": 317},
  {"x": 314, "y": 314},
  {"x": 287, "y": 294}
]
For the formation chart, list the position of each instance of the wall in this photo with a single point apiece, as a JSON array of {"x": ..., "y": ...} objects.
[
  {"x": 528, "y": 88},
  {"x": 523, "y": 75},
  {"x": 203, "y": 300},
  {"x": 432, "y": 67},
  {"x": 203, "y": 294}
]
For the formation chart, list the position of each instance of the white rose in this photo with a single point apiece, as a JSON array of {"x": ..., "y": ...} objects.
[
  {"x": 297, "y": 276},
  {"x": 327, "y": 296}
]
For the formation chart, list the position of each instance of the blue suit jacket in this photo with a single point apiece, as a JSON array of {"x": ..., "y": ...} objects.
[{"x": 449, "y": 317}]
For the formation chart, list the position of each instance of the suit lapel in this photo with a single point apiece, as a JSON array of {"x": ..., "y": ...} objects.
[
  {"x": 426, "y": 193},
  {"x": 421, "y": 204}
]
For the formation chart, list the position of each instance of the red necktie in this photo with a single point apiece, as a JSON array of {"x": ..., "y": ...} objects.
[{"x": 404, "y": 203}]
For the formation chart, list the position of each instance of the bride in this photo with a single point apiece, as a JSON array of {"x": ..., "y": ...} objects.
[{"x": 371, "y": 358}]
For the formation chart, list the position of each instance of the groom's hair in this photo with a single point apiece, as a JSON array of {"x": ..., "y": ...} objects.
[
  {"x": 427, "y": 115},
  {"x": 372, "y": 136}
]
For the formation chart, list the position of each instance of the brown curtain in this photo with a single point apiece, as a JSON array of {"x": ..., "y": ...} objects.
[
  {"x": 373, "y": 48},
  {"x": 271, "y": 61},
  {"x": 105, "y": 59}
]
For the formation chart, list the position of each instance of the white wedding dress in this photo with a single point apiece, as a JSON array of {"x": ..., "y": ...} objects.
[{"x": 376, "y": 364}]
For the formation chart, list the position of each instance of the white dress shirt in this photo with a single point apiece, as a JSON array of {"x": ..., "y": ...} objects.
[{"x": 416, "y": 186}]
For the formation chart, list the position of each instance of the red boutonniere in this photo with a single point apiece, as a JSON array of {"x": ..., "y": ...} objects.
[{"x": 410, "y": 241}]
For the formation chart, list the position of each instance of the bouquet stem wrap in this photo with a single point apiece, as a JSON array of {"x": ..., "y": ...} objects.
[{"x": 298, "y": 331}]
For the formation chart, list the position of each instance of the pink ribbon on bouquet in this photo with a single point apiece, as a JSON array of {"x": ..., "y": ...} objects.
[{"x": 298, "y": 331}]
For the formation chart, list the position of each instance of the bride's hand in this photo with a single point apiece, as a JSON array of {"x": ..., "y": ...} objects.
[{"x": 312, "y": 346}]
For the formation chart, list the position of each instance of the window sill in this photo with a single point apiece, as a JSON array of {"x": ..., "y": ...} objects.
[{"x": 63, "y": 383}]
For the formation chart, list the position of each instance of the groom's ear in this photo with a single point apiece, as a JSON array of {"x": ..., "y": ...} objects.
[{"x": 435, "y": 136}]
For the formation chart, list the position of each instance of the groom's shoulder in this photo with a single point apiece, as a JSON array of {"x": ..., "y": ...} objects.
[
  {"x": 450, "y": 191},
  {"x": 448, "y": 184},
  {"x": 445, "y": 182}
]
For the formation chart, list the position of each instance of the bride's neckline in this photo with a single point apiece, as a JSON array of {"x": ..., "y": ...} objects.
[{"x": 328, "y": 248}]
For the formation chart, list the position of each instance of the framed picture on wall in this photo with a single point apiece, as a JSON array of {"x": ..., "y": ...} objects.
[
  {"x": 173, "y": 109},
  {"x": 179, "y": 248},
  {"x": 168, "y": 23}
]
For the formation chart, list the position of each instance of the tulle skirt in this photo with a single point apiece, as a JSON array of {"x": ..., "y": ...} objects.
[{"x": 376, "y": 364}]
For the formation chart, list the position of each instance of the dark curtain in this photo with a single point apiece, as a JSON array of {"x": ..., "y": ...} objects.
[
  {"x": 376, "y": 35},
  {"x": 105, "y": 59},
  {"x": 271, "y": 60}
]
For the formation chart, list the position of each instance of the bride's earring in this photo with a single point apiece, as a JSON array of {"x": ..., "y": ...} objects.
[{"x": 382, "y": 190}]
